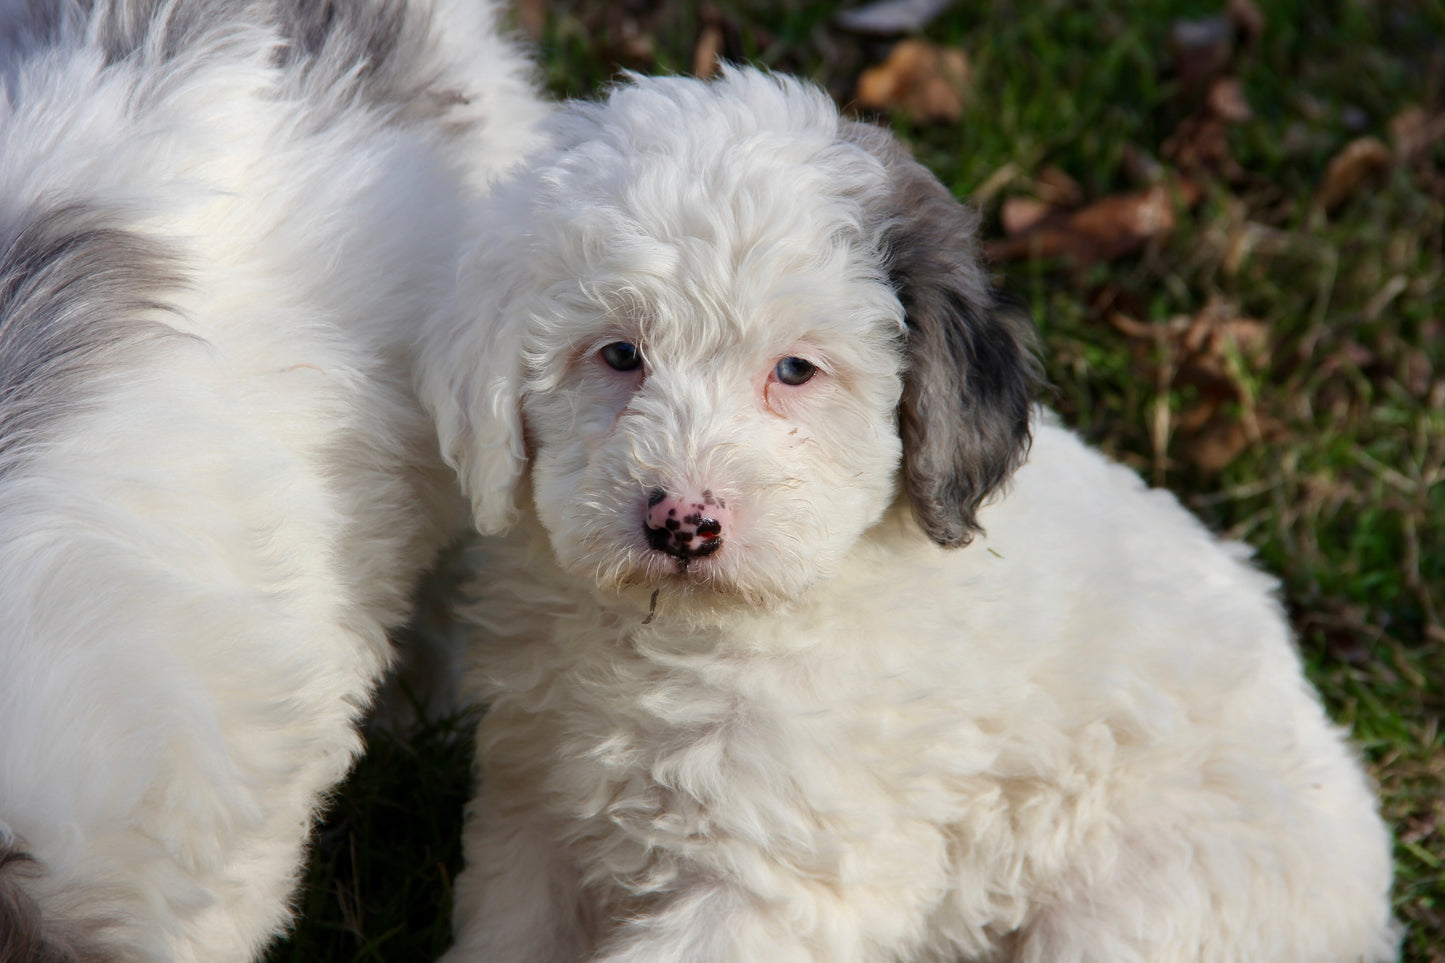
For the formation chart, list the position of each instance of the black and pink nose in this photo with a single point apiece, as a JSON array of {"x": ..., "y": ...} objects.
[{"x": 686, "y": 526}]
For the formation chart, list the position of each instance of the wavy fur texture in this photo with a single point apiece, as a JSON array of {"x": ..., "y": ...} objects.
[
  {"x": 221, "y": 222},
  {"x": 949, "y": 686}
]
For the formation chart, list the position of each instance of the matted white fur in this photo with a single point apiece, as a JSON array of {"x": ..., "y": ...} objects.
[
  {"x": 220, "y": 222},
  {"x": 1080, "y": 734}
]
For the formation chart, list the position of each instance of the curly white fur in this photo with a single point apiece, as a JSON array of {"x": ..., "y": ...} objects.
[
  {"x": 1081, "y": 733},
  {"x": 220, "y": 221}
]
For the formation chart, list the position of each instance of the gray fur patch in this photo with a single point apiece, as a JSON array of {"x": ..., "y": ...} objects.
[
  {"x": 24, "y": 936},
  {"x": 28, "y": 24},
  {"x": 380, "y": 53},
  {"x": 337, "y": 54},
  {"x": 73, "y": 290},
  {"x": 162, "y": 29},
  {"x": 972, "y": 367}
]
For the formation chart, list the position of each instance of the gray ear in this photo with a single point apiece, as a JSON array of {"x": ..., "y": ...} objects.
[{"x": 972, "y": 368}]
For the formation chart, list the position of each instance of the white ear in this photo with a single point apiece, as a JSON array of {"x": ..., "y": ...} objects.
[{"x": 469, "y": 376}]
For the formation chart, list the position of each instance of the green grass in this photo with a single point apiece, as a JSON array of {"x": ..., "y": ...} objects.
[{"x": 1341, "y": 486}]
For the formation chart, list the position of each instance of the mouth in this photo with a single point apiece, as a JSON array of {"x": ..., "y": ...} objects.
[
  {"x": 699, "y": 578},
  {"x": 684, "y": 547},
  {"x": 696, "y": 587},
  {"x": 693, "y": 576},
  {"x": 694, "y": 569}
]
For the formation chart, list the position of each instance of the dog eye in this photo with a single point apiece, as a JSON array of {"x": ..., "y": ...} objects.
[
  {"x": 794, "y": 371},
  {"x": 622, "y": 356}
]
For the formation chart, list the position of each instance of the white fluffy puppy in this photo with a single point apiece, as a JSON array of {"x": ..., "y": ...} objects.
[
  {"x": 219, "y": 221},
  {"x": 778, "y": 669}
]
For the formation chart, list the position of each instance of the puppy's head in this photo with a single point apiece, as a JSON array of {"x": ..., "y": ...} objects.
[{"x": 732, "y": 328}]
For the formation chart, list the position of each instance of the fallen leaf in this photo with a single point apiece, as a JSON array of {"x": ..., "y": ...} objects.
[
  {"x": 1410, "y": 132},
  {"x": 1247, "y": 19},
  {"x": 1217, "y": 350},
  {"x": 1103, "y": 231},
  {"x": 1139, "y": 215},
  {"x": 1202, "y": 50},
  {"x": 532, "y": 18},
  {"x": 707, "y": 54},
  {"x": 1201, "y": 141},
  {"x": 1218, "y": 443},
  {"x": 1051, "y": 195},
  {"x": 1216, "y": 331},
  {"x": 890, "y": 17},
  {"x": 923, "y": 80},
  {"x": 1213, "y": 445},
  {"x": 1226, "y": 101},
  {"x": 1134, "y": 328},
  {"x": 1212, "y": 351},
  {"x": 1020, "y": 214},
  {"x": 1351, "y": 169},
  {"x": 1056, "y": 187},
  {"x": 626, "y": 40},
  {"x": 1413, "y": 136}
]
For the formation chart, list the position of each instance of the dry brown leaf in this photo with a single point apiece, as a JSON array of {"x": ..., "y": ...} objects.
[
  {"x": 1133, "y": 327},
  {"x": 1210, "y": 351},
  {"x": 1410, "y": 132},
  {"x": 1216, "y": 445},
  {"x": 532, "y": 18},
  {"x": 1352, "y": 168},
  {"x": 1056, "y": 187},
  {"x": 1226, "y": 101},
  {"x": 1215, "y": 333},
  {"x": 1194, "y": 420},
  {"x": 1052, "y": 194},
  {"x": 1213, "y": 447},
  {"x": 1413, "y": 135},
  {"x": 1020, "y": 214},
  {"x": 923, "y": 80},
  {"x": 1140, "y": 215},
  {"x": 707, "y": 54},
  {"x": 1202, "y": 50},
  {"x": 1105, "y": 230},
  {"x": 1211, "y": 347},
  {"x": 1201, "y": 141},
  {"x": 1248, "y": 20}
]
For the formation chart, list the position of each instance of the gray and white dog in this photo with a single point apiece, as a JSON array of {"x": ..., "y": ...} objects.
[{"x": 220, "y": 222}]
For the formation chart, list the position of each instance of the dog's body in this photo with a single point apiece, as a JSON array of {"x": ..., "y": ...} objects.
[
  {"x": 743, "y": 705},
  {"x": 220, "y": 221}
]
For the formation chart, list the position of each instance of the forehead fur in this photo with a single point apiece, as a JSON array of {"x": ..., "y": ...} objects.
[{"x": 700, "y": 212}]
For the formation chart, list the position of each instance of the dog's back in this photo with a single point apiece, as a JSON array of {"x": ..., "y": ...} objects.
[{"x": 218, "y": 221}]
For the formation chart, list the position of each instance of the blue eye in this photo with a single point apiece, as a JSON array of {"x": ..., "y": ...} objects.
[
  {"x": 795, "y": 371},
  {"x": 622, "y": 356}
]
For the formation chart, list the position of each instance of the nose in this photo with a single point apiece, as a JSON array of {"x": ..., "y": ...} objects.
[{"x": 685, "y": 526}]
